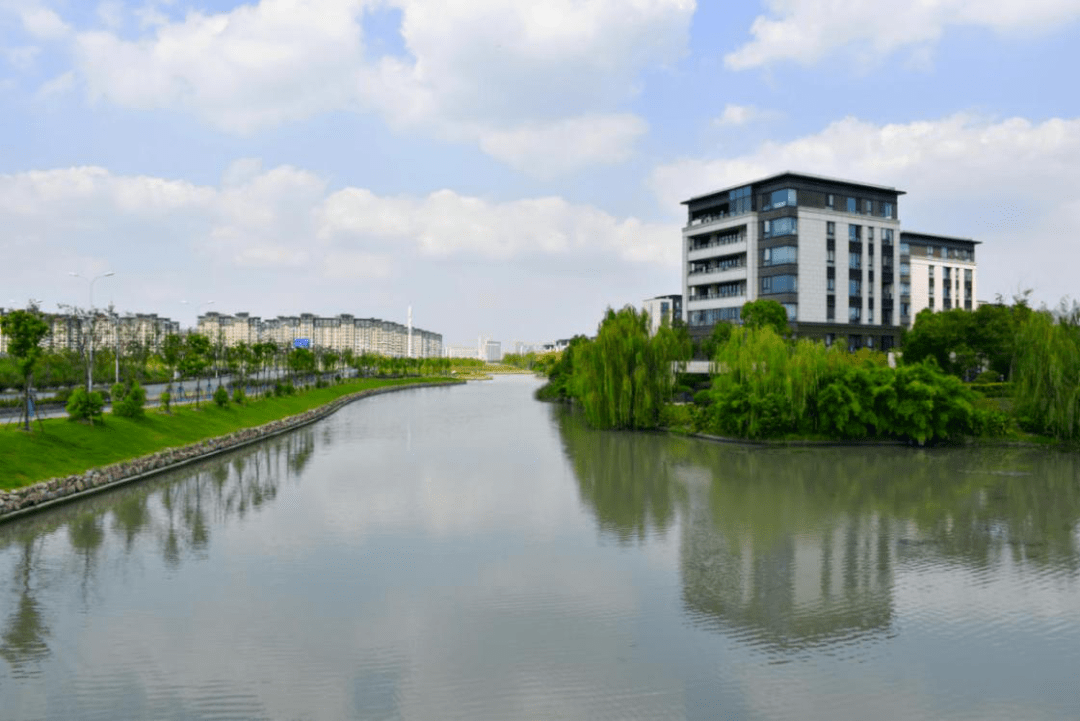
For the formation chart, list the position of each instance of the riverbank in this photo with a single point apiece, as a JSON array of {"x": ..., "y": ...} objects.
[{"x": 61, "y": 459}]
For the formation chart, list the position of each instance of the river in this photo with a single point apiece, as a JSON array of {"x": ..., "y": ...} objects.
[{"x": 470, "y": 553}]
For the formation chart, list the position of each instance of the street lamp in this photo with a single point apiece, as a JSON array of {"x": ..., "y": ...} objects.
[{"x": 90, "y": 310}]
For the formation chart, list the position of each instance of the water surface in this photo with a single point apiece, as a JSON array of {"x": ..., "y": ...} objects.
[{"x": 470, "y": 553}]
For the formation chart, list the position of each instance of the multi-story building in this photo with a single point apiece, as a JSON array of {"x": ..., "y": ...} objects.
[
  {"x": 340, "y": 332},
  {"x": 942, "y": 271},
  {"x": 830, "y": 251},
  {"x": 69, "y": 332},
  {"x": 661, "y": 309}
]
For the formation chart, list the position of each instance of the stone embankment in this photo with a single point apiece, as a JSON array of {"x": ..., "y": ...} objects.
[{"x": 59, "y": 490}]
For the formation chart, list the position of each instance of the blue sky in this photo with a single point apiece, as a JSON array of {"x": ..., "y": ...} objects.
[{"x": 509, "y": 169}]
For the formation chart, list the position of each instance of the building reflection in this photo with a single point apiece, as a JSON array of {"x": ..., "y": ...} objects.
[{"x": 788, "y": 548}]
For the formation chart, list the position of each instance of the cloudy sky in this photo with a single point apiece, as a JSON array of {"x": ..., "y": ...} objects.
[{"x": 509, "y": 168}]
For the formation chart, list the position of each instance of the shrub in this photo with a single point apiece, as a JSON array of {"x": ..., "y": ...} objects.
[
  {"x": 221, "y": 397},
  {"x": 166, "y": 401},
  {"x": 128, "y": 400},
  {"x": 85, "y": 406},
  {"x": 239, "y": 397}
]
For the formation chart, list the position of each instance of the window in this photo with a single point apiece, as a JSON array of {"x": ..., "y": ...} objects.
[
  {"x": 792, "y": 310},
  {"x": 778, "y": 284},
  {"x": 830, "y": 256},
  {"x": 854, "y": 314},
  {"x": 905, "y": 289},
  {"x": 867, "y": 207},
  {"x": 780, "y": 199},
  {"x": 854, "y": 287},
  {"x": 855, "y": 261},
  {"x": 830, "y": 308},
  {"x": 830, "y": 228},
  {"x": 905, "y": 309},
  {"x": 739, "y": 200},
  {"x": 854, "y": 233},
  {"x": 779, "y": 255},
  {"x": 905, "y": 249},
  {"x": 831, "y": 284},
  {"x": 905, "y": 269},
  {"x": 886, "y": 235},
  {"x": 886, "y": 210},
  {"x": 830, "y": 201},
  {"x": 778, "y": 227},
  {"x": 851, "y": 205}
]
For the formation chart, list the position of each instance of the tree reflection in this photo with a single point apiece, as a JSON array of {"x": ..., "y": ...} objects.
[
  {"x": 623, "y": 477},
  {"x": 22, "y": 642},
  {"x": 798, "y": 546}
]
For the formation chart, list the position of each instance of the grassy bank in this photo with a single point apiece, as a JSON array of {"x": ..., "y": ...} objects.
[{"x": 59, "y": 447}]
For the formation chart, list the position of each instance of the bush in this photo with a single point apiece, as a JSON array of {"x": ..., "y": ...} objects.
[
  {"x": 239, "y": 397},
  {"x": 166, "y": 401},
  {"x": 221, "y": 397},
  {"x": 85, "y": 406},
  {"x": 128, "y": 400}
]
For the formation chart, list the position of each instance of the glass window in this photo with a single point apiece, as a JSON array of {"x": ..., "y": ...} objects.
[
  {"x": 779, "y": 284},
  {"x": 780, "y": 226},
  {"x": 830, "y": 201},
  {"x": 831, "y": 284},
  {"x": 830, "y": 228},
  {"x": 870, "y": 233},
  {"x": 905, "y": 289},
  {"x": 854, "y": 287},
  {"x": 886, "y": 235},
  {"x": 780, "y": 199},
  {"x": 886, "y": 210},
  {"x": 866, "y": 206},
  {"x": 854, "y": 233},
  {"x": 905, "y": 249},
  {"x": 851, "y": 205},
  {"x": 830, "y": 256},
  {"x": 779, "y": 255},
  {"x": 855, "y": 260},
  {"x": 905, "y": 269},
  {"x": 792, "y": 310},
  {"x": 854, "y": 313}
]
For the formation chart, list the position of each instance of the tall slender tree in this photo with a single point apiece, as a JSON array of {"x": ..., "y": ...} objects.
[{"x": 25, "y": 330}]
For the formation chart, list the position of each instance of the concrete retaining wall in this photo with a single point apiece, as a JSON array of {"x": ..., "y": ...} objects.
[{"x": 45, "y": 494}]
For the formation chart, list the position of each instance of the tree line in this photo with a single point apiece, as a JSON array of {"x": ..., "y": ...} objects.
[{"x": 1004, "y": 369}]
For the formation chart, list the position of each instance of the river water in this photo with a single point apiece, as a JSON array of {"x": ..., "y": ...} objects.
[{"x": 470, "y": 553}]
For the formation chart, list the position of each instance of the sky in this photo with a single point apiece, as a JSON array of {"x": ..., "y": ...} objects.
[{"x": 506, "y": 168}]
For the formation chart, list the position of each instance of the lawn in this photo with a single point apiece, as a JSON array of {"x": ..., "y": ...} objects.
[{"x": 60, "y": 447}]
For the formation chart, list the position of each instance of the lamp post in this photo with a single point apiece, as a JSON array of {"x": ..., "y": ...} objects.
[{"x": 90, "y": 311}]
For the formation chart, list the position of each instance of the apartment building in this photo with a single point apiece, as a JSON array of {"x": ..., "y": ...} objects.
[
  {"x": 67, "y": 331},
  {"x": 942, "y": 271},
  {"x": 661, "y": 309},
  {"x": 340, "y": 332},
  {"x": 830, "y": 251}
]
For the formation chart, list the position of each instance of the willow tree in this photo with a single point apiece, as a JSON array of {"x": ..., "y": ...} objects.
[
  {"x": 624, "y": 376},
  {"x": 1046, "y": 376},
  {"x": 24, "y": 330}
]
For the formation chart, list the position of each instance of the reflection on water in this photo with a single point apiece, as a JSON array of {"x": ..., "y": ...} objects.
[{"x": 470, "y": 553}]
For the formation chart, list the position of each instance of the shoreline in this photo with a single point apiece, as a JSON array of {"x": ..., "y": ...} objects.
[{"x": 52, "y": 492}]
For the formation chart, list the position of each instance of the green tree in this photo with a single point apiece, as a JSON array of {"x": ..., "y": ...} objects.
[
  {"x": 765, "y": 314},
  {"x": 25, "y": 331},
  {"x": 172, "y": 349},
  {"x": 195, "y": 360},
  {"x": 624, "y": 377},
  {"x": 720, "y": 335}
]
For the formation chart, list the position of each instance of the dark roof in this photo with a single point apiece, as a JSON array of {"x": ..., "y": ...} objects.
[
  {"x": 937, "y": 237},
  {"x": 803, "y": 176}
]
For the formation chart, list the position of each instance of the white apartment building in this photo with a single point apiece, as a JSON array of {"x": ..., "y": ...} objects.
[
  {"x": 340, "y": 332},
  {"x": 67, "y": 332},
  {"x": 830, "y": 251},
  {"x": 942, "y": 271},
  {"x": 661, "y": 309}
]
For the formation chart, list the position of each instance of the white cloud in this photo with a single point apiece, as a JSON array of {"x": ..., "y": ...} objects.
[
  {"x": 43, "y": 24},
  {"x": 737, "y": 115},
  {"x": 279, "y": 240},
  {"x": 1008, "y": 183},
  {"x": 805, "y": 31},
  {"x": 558, "y": 148},
  {"x": 515, "y": 78}
]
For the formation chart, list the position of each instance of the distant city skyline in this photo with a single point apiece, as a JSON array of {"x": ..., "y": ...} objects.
[{"x": 507, "y": 168}]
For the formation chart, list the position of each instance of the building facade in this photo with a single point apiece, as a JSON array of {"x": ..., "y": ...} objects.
[
  {"x": 942, "y": 271},
  {"x": 830, "y": 251},
  {"x": 338, "y": 333},
  {"x": 661, "y": 309}
]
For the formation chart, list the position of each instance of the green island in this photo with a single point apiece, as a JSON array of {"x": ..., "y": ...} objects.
[
  {"x": 60, "y": 446},
  {"x": 1004, "y": 373}
]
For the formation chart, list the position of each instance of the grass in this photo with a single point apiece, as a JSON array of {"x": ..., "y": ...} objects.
[{"x": 60, "y": 447}]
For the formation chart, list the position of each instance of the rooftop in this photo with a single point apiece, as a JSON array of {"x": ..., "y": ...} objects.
[{"x": 802, "y": 176}]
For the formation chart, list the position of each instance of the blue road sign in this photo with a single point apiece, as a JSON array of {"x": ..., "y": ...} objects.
[{"x": 301, "y": 343}]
